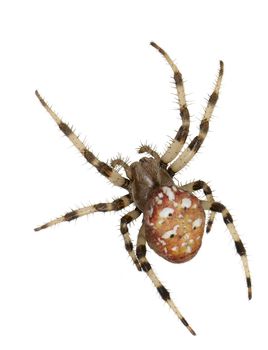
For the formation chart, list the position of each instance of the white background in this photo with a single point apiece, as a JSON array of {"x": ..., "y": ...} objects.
[{"x": 73, "y": 286}]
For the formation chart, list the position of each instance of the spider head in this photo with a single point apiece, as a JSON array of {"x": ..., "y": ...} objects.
[
  {"x": 174, "y": 222},
  {"x": 147, "y": 175}
]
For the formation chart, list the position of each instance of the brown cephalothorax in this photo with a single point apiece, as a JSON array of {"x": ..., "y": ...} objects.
[
  {"x": 146, "y": 176},
  {"x": 173, "y": 217}
]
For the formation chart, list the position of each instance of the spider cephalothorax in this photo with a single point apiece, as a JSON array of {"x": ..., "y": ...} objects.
[
  {"x": 173, "y": 217},
  {"x": 146, "y": 176}
]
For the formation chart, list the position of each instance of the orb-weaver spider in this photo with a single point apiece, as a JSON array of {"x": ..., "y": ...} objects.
[{"x": 173, "y": 218}]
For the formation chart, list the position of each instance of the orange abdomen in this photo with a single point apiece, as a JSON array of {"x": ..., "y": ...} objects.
[{"x": 174, "y": 222}]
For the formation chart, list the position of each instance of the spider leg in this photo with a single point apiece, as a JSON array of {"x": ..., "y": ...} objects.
[
  {"x": 201, "y": 185},
  {"x": 181, "y": 136},
  {"x": 116, "y": 205},
  {"x": 146, "y": 267},
  {"x": 196, "y": 143},
  {"x": 102, "y": 167},
  {"x": 228, "y": 220},
  {"x": 125, "y": 220},
  {"x": 121, "y": 163},
  {"x": 149, "y": 150}
]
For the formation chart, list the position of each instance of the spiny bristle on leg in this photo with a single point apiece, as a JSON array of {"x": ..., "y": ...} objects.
[
  {"x": 228, "y": 220},
  {"x": 177, "y": 143},
  {"x": 117, "y": 204},
  {"x": 147, "y": 268},
  {"x": 103, "y": 168}
]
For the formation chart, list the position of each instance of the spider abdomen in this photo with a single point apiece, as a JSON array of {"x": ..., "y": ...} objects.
[{"x": 174, "y": 221}]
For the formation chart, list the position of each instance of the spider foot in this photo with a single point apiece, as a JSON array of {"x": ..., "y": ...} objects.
[
  {"x": 191, "y": 330},
  {"x": 249, "y": 288}
]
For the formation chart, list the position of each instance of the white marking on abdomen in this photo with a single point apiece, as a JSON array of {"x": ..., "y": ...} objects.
[
  {"x": 169, "y": 193},
  {"x": 186, "y": 203},
  {"x": 170, "y": 233},
  {"x": 162, "y": 241},
  {"x": 186, "y": 236},
  {"x": 188, "y": 249},
  {"x": 197, "y": 223},
  {"x": 158, "y": 201},
  {"x": 164, "y": 213}
]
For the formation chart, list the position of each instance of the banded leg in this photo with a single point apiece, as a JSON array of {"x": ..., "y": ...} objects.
[
  {"x": 125, "y": 220},
  {"x": 181, "y": 136},
  {"x": 102, "y": 167},
  {"x": 121, "y": 163},
  {"x": 196, "y": 143},
  {"x": 116, "y": 205},
  {"x": 228, "y": 220},
  {"x": 146, "y": 267},
  {"x": 201, "y": 185},
  {"x": 149, "y": 150}
]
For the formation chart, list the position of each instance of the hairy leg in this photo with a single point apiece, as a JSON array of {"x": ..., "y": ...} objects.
[
  {"x": 196, "y": 143},
  {"x": 149, "y": 150},
  {"x": 146, "y": 267},
  {"x": 116, "y": 205},
  {"x": 181, "y": 136},
  {"x": 228, "y": 220},
  {"x": 121, "y": 163},
  {"x": 102, "y": 167},
  {"x": 125, "y": 220}
]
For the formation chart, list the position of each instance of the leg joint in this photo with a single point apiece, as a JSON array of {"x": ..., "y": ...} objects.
[
  {"x": 123, "y": 229},
  {"x": 141, "y": 251},
  {"x": 146, "y": 266},
  {"x": 129, "y": 246},
  {"x": 71, "y": 215},
  {"x": 126, "y": 219},
  {"x": 198, "y": 185},
  {"x": 163, "y": 292},
  {"x": 218, "y": 207},
  {"x": 228, "y": 218},
  {"x": 240, "y": 248}
]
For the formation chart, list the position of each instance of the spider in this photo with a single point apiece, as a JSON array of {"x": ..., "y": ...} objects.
[{"x": 173, "y": 217}]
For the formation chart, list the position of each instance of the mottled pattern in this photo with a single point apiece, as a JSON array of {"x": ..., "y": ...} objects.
[
  {"x": 174, "y": 224},
  {"x": 201, "y": 185}
]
